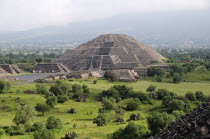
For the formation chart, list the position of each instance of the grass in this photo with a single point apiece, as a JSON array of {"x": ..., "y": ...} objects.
[{"x": 87, "y": 111}]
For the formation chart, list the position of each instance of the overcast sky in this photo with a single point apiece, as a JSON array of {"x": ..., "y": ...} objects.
[{"x": 16, "y": 15}]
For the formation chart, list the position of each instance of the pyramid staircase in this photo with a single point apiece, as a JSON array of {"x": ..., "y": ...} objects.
[{"x": 12, "y": 69}]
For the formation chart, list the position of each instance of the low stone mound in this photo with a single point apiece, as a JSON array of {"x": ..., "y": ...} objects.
[
  {"x": 194, "y": 125},
  {"x": 7, "y": 77},
  {"x": 11, "y": 68},
  {"x": 50, "y": 68}
]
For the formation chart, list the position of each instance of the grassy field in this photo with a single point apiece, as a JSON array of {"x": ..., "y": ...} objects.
[{"x": 87, "y": 110}]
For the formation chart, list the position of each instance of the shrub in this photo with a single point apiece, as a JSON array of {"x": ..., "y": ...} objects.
[
  {"x": 4, "y": 86},
  {"x": 42, "y": 108},
  {"x": 200, "y": 96},
  {"x": 41, "y": 89},
  {"x": 159, "y": 78},
  {"x": 110, "y": 75},
  {"x": 102, "y": 119},
  {"x": 176, "y": 105},
  {"x": 111, "y": 93},
  {"x": 178, "y": 114},
  {"x": 190, "y": 96},
  {"x": 131, "y": 131},
  {"x": 51, "y": 101},
  {"x": 24, "y": 115},
  {"x": 120, "y": 120},
  {"x": 95, "y": 82},
  {"x": 177, "y": 78},
  {"x": 158, "y": 121},
  {"x": 107, "y": 104},
  {"x": 44, "y": 134},
  {"x": 76, "y": 88},
  {"x": 71, "y": 135},
  {"x": 132, "y": 106},
  {"x": 120, "y": 112},
  {"x": 167, "y": 100},
  {"x": 151, "y": 88},
  {"x": 154, "y": 71},
  {"x": 62, "y": 98},
  {"x": 59, "y": 89},
  {"x": 161, "y": 93},
  {"x": 17, "y": 130},
  {"x": 72, "y": 110},
  {"x": 2, "y": 132},
  {"x": 37, "y": 126},
  {"x": 54, "y": 123},
  {"x": 135, "y": 116}
]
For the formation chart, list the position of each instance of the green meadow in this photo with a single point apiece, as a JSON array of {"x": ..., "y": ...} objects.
[{"x": 87, "y": 111}]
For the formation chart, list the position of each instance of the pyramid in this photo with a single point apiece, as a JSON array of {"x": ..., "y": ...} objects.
[{"x": 109, "y": 52}]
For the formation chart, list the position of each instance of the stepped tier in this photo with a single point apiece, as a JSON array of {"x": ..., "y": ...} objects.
[
  {"x": 50, "y": 68},
  {"x": 12, "y": 69},
  {"x": 109, "y": 52}
]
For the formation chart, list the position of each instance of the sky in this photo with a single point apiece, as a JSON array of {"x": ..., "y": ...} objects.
[{"x": 19, "y": 15}]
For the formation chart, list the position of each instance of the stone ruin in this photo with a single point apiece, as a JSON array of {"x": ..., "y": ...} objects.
[
  {"x": 11, "y": 68},
  {"x": 125, "y": 75},
  {"x": 194, "y": 125},
  {"x": 50, "y": 68},
  {"x": 111, "y": 52}
]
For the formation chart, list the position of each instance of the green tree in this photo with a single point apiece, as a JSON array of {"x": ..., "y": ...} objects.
[
  {"x": 41, "y": 89},
  {"x": 102, "y": 119},
  {"x": 154, "y": 71},
  {"x": 177, "y": 78},
  {"x": 24, "y": 115},
  {"x": 54, "y": 123},
  {"x": 190, "y": 96},
  {"x": 42, "y": 108},
  {"x": 131, "y": 131},
  {"x": 2, "y": 132},
  {"x": 71, "y": 135},
  {"x": 44, "y": 134},
  {"x": 151, "y": 88},
  {"x": 178, "y": 113},
  {"x": 200, "y": 96},
  {"x": 51, "y": 101},
  {"x": 107, "y": 104},
  {"x": 62, "y": 98},
  {"x": 110, "y": 75},
  {"x": 176, "y": 105},
  {"x": 132, "y": 106},
  {"x": 4, "y": 86},
  {"x": 158, "y": 121}
]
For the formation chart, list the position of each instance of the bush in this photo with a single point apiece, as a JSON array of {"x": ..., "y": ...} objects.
[
  {"x": 135, "y": 116},
  {"x": 158, "y": 121},
  {"x": 40, "y": 89},
  {"x": 38, "y": 126},
  {"x": 62, "y": 98},
  {"x": 76, "y": 88},
  {"x": 131, "y": 131},
  {"x": 102, "y": 119},
  {"x": 132, "y": 106},
  {"x": 110, "y": 75},
  {"x": 95, "y": 82},
  {"x": 71, "y": 135},
  {"x": 190, "y": 96},
  {"x": 107, "y": 104},
  {"x": 44, "y": 134},
  {"x": 178, "y": 114},
  {"x": 42, "y": 108},
  {"x": 161, "y": 93},
  {"x": 159, "y": 78},
  {"x": 120, "y": 120},
  {"x": 4, "y": 86},
  {"x": 51, "y": 101},
  {"x": 200, "y": 96},
  {"x": 176, "y": 105},
  {"x": 17, "y": 130},
  {"x": 24, "y": 115},
  {"x": 111, "y": 93},
  {"x": 154, "y": 71},
  {"x": 59, "y": 89},
  {"x": 151, "y": 88},
  {"x": 72, "y": 110},
  {"x": 167, "y": 100},
  {"x": 54, "y": 123},
  {"x": 177, "y": 78},
  {"x": 2, "y": 132}
]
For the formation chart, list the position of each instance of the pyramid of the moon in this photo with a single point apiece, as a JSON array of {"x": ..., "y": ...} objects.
[{"x": 109, "y": 52}]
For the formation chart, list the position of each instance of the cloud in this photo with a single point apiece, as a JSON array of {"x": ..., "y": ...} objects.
[{"x": 26, "y": 14}]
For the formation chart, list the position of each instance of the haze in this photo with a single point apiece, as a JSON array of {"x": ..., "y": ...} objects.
[{"x": 19, "y": 15}]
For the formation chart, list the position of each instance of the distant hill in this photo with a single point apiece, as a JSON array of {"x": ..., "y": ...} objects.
[{"x": 191, "y": 25}]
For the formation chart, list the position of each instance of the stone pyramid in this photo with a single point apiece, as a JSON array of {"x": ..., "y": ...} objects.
[{"x": 109, "y": 52}]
